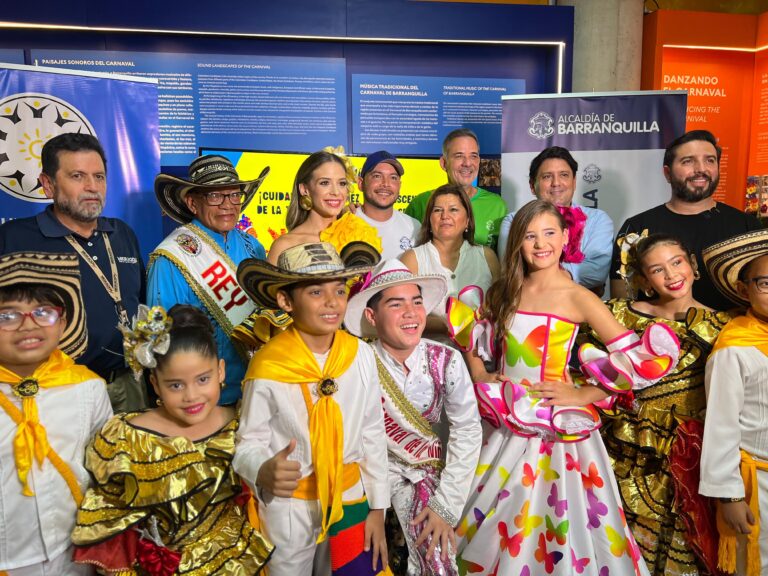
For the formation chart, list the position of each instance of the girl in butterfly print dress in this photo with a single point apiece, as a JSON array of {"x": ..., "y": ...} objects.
[{"x": 544, "y": 500}]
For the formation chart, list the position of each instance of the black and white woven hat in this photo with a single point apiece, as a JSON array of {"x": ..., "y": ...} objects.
[
  {"x": 208, "y": 172},
  {"x": 60, "y": 272}
]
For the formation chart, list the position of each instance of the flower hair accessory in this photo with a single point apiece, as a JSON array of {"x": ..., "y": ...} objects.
[
  {"x": 360, "y": 285},
  {"x": 349, "y": 168},
  {"x": 575, "y": 220},
  {"x": 147, "y": 336},
  {"x": 628, "y": 252}
]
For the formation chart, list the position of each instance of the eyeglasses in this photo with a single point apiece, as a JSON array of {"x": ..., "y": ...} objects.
[
  {"x": 217, "y": 198},
  {"x": 43, "y": 316},
  {"x": 761, "y": 282}
]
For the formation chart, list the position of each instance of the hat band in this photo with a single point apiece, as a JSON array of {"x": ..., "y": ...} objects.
[
  {"x": 390, "y": 276},
  {"x": 315, "y": 268}
]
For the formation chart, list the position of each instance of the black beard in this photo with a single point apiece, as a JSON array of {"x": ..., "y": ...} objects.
[
  {"x": 682, "y": 192},
  {"x": 372, "y": 201}
]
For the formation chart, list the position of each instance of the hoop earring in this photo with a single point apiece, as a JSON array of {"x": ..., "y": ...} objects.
[
  {"x": 306, "y": 203},
  {"x": 696, "y": 274},
  {"x": 648, "y": 292},
  {"x": 159, "y": 401}
]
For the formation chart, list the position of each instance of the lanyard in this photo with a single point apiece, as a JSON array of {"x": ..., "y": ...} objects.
[{"x": 113, "y": 288}]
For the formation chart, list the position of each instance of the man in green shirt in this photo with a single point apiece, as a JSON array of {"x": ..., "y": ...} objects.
[{"x": 461, "y": 162}]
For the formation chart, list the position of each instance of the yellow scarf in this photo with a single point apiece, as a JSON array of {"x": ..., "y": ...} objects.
[
  {"x": 286, "y": 358},
  {"x": 726, "y": 553},
  {"x": 31, "y": 439},
  {"x": 744, "y": 331}
]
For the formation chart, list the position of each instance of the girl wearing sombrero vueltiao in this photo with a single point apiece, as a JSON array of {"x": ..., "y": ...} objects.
[
  {"x": 734, "y": 458},
  {"x": 311, "y": 443},
  {"x": 317, "y": 208}
]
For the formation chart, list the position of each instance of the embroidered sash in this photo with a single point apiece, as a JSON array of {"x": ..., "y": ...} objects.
[
  {"x": 409, "y": 434},
  {"x": 210, "y": 273}
]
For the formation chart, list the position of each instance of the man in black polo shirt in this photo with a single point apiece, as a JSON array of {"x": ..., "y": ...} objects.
[
  {"x": 692, "y": 168},
  {"x": 75, "y": 176}
]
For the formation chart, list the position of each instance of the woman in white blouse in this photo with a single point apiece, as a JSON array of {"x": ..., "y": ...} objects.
[{"x": 446, "y": 247}]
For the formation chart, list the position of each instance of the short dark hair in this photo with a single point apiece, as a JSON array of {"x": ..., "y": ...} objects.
[
  {"x": 458, "y": 133},
  {"x": 547, "y": 154},
  {"x": 68, "y": 142},
  {"x": 374, "y": 300},
  {"x": 29, "y": 292},
  {"x": 692, "y": 136},
  {"x": 446, "y": 189}
]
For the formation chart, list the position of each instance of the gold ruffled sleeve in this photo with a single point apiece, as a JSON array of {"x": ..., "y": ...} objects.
[{"x": 188, "y": 488}]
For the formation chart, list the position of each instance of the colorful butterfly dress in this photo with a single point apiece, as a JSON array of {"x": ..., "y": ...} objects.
[{"x": 543, "y": 500}]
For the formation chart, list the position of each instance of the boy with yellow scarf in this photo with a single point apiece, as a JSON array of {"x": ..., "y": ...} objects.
[
  {"x": 49, "y": 409},
  {"x": 734, "y": 458},
  {"x": 311, "y": 443}
]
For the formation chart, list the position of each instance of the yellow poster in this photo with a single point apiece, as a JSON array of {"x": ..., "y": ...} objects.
[{"x": 264, "y": 217}]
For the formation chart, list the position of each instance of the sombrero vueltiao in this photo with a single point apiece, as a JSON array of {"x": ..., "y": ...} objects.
[
  {"x": 60, "y": 272},
  {"x": 387, "y": 275},
  {"x": 305, "y": 262},
  {"x": 725, "y": 261},
  {"x": 205, "y": 173}
]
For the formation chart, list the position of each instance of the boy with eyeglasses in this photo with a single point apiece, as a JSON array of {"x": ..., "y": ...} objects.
[
  {"x": 734, "y": 457},
  {"x": 196, "y": 264},
  {"x": 49, "y": 409}
]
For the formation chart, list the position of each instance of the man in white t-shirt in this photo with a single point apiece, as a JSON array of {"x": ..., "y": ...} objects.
[{"x": 379, "y": 181}]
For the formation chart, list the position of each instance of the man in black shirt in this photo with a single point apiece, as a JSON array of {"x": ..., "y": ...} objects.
[
  {"x": 74, "y": 176},
  {"x": 692, "y": 168}
]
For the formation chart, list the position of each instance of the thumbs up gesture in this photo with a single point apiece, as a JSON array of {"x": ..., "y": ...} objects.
[{"x": 280, "y": 475}]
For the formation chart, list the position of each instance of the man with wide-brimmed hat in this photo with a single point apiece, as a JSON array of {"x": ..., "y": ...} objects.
[
  {"x": 420, "y": 380},
  {"x": 311, "y": 440},
  {"x": 197, "y": 263},
  {"x": 50, "y": 408}
]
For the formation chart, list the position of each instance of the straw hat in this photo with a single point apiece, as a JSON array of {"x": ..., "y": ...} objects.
[
  {"x": 725, "y": 261},
  {"x": 206, "y": 173},
  {"x": 317, "y": 261},
  {"x": 386, "y": 275},
  {"x": 60, "y": 272}
]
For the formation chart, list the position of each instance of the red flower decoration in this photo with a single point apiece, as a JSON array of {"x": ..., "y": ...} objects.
[
  {"x": 156, "y": 560},
  {"x": 575, "y": 220},
  {"x": 360, "y": 285}
]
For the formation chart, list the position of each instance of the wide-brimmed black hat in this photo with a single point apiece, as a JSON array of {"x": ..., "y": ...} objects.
[
  {"x": 60, "y": 272},
  {"x": 317, "y": 261},
  {"x": 725, "y": 260},
  {"x": 208, "y": 172}
]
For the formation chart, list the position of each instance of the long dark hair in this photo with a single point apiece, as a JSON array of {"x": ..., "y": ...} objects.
[{"x": 503, "y": 296}]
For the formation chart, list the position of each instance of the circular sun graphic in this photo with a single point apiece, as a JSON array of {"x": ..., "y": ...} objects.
[{"x": 27, "y": 121}]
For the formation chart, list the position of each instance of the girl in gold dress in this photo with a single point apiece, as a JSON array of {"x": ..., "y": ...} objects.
[
  {"x": 166, "y": 499},
  {"x": 654, "y": 439}
]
